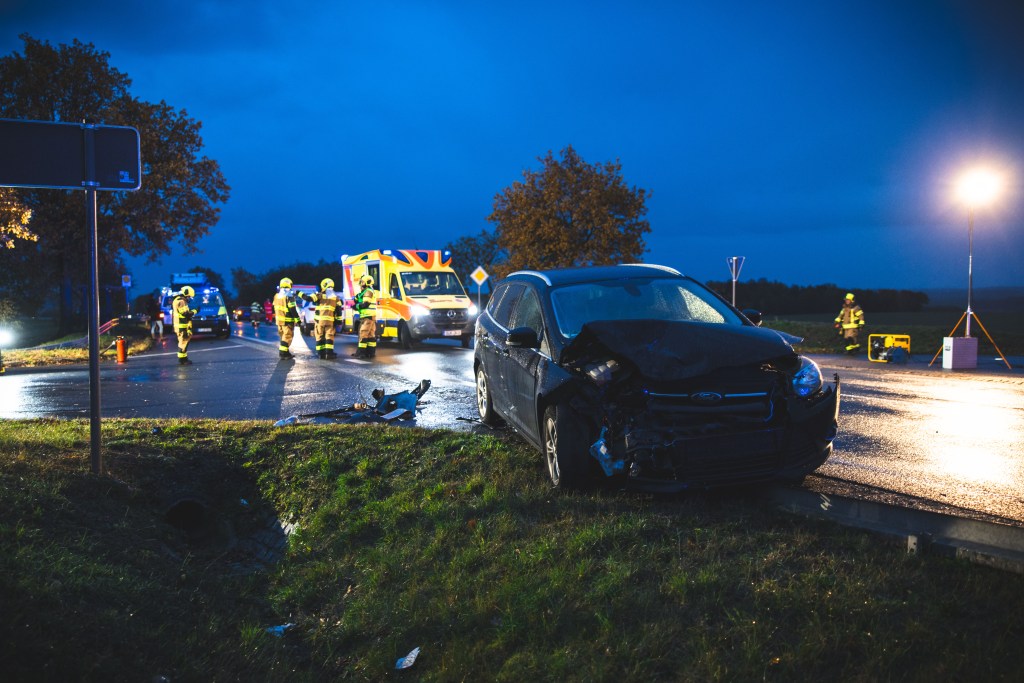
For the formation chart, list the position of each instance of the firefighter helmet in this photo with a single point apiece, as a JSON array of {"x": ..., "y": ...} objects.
[
  {"x": 286, "y": 283},
  {"x": 849, "y": 296},
  {"x": 326, "y": 283},
  {"x": 188, "y": 291},
  {"x": 366, "y": 281}
]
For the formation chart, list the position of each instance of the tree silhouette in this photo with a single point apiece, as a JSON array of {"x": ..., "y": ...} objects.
[
  {"x": 180, "y": 188},
  {"x": 570, "y": 213}
]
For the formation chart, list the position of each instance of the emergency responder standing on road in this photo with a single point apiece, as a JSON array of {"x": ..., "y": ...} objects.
[
  {"x": 848, "y": 322},
  {"x": 182, "y": 312},
  {"x": 286, "y": 315},
  {"x": 255, "y": 313},
  {"x": 366, "y": 306},
  {"x": 328, "y": 310},
  {"x": 156, "y": 318},
  {"x": 268, "y": 309}
]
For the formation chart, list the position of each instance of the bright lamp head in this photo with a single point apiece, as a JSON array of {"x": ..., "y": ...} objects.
[{"x": 979, "y": 187}]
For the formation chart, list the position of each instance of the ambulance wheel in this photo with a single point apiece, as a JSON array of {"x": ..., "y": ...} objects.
[{"x": 405, "y": 339}]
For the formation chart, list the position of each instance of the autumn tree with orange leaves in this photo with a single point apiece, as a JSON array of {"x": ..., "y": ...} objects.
[{"x": 570, "y": 213}]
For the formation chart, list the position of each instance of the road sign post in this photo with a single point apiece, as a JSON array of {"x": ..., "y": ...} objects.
[
  {"x": 479, "y": 276},
  {"x": 75, "y": 156},
  {"x": 735, "y": 264}
]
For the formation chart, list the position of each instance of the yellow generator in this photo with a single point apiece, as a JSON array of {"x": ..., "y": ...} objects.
[
  {"x": 419, "y": 296},
  {"x": 889, "y": 348}
]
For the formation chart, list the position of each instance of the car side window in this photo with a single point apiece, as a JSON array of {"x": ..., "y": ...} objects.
[
  {"x": 495, "y": 298},
  {"x": 396, "y": 293},
  {"x": 502, "y": 312},
  {"x": 528, "y": 314}
]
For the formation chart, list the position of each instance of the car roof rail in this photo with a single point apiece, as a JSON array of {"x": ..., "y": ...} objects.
[
  {"x": 534, "y": 273},
  {"x": 667, "y": 269}
]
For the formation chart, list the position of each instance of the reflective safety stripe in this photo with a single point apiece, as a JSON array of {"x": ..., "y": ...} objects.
[
  {"x": 326, "y": 306},
  {"x": 284, "y": 309},
  {"x": 365, "y": 301}
]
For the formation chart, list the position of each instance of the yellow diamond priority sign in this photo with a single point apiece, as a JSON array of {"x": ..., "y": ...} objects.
[{"x": 479, "y": 276}]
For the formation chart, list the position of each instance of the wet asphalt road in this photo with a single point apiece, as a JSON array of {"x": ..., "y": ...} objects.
[
  {"x": 909, "y": 434},
  {"x": 947, "y": 440},
  {"x": 242, "y": 378}
]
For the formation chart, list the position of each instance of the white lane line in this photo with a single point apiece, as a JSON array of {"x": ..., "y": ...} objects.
[{"x": 172, "y": 353}]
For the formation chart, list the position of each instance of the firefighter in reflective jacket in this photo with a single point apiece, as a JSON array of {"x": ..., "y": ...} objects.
[
  {"x": 366, "y": 306},
  {"x": 328, "y": 310},
  {"x": 848, "y": 322},
  {"x": 182, "y": 311},
  {"x": 286, "y": 315}
]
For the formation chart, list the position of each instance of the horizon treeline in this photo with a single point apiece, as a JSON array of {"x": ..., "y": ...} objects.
[{"x": 776, "y": 297}]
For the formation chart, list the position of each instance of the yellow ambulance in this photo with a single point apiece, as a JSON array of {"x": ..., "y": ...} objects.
[{"x": 419, "y": 296}]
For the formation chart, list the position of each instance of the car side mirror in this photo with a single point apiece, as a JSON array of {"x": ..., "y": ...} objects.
[
  {"x": 753, "y": 316},
  {"x": 523, "y": 337}
]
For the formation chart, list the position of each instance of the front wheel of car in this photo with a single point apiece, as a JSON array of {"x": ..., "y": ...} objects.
[
  {"x": 484, "y": 403},
  {"x": 565, "y": 448}
]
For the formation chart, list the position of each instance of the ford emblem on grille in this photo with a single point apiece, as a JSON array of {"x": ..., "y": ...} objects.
[{"x": 706, "y": 397}]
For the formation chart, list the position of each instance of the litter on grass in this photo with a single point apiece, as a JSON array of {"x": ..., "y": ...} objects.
[
  {"x": 408, "y": 660},
  {"x": 279, "y": 630}
]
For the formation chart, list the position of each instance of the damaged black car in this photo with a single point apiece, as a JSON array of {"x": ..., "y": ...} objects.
[{"x": 639, "y": 375}]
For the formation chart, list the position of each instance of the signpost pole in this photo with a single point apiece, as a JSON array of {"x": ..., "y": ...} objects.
[
  {"x": 94, "y": 300},
  {"x": 75, "y": 156},
  {"x": 735, "y": 264},
  {"x": 479, "y": 276}
]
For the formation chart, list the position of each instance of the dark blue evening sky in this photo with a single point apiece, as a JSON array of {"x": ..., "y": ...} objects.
[{"x": 820, "y": 140}]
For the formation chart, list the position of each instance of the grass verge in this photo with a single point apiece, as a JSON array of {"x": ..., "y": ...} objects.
[
  {"x": 926, "y": 332},
  {"x": 454, "y": 543},
  {"x": 137, "y": 340}
]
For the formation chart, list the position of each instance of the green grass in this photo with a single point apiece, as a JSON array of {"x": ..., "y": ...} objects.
[
  {"x": 926, "y": 330},
  {"x": 137, "y": 340},
  {"x": 454, "y": 543}
]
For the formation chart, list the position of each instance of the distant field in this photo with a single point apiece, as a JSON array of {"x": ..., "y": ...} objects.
[
  {"x": 926, "y": 329},
  {"x": 995, "y": 322}
]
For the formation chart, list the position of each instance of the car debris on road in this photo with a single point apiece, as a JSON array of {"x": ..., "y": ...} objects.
[{"x": 388, "y": 407}]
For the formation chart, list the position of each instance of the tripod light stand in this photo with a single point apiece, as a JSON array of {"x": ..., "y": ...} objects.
[{"x": 976, "y": 188}]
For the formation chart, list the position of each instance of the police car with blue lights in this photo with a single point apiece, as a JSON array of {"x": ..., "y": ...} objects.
[{"x": 212, "y": 317}]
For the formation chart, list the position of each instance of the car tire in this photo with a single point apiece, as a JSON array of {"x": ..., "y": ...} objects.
[
  {"x": 484, "y": 402},
  {"x": 565, "y": 448},
  {"x": 405, "y": 339}
]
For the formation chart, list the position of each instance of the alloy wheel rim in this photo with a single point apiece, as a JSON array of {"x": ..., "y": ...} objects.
[
  {"x": 481, "y": 393},
  {"x": 551, "y": 448}
]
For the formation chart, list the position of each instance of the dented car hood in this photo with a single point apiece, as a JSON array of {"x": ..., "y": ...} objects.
[{"x": 669, "y": 350}]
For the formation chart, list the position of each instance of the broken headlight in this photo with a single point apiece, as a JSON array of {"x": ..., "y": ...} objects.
[
  {"x": 806, "y": 380},
  {"x": 601, "y": 373}
]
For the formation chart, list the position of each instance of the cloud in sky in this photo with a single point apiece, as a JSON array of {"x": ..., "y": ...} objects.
[{"x": 817, "y": 141}]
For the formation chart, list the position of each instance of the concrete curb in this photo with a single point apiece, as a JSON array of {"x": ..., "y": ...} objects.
[{"x": 996, "y": 545}]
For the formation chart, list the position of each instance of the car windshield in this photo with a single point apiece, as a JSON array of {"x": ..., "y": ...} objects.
[
  {"x": 208, "y": 299},
  {"x": 432, "y": 284},
  {"x": 637, "y": 299}
]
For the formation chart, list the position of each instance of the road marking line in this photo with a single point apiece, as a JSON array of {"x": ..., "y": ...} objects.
[{"x": 171, "y": 353}]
